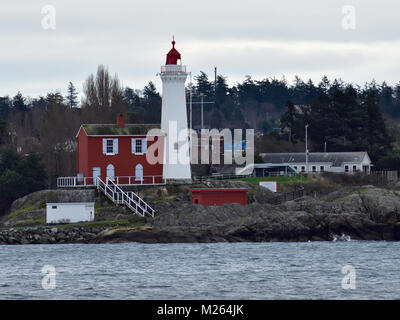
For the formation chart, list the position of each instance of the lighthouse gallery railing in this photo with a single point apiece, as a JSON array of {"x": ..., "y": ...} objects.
[{"x": 173, "y": 68}]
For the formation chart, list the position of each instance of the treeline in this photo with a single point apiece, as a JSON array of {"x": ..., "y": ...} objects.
[
  {"x": 344, "y": 116},
  {"x": 341, "y": 118},
  {"x": 19, "y": 176},
  {"x": 259, "y": 104}
]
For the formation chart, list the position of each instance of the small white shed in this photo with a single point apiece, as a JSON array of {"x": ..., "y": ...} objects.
[
  {"x": 271, "y": 185},
  {"x": 69, "y": 212}
]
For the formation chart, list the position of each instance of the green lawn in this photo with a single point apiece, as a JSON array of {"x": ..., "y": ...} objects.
[{"x": 256, "y": 180}]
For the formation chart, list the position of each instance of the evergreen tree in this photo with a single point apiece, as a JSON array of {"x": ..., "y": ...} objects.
[
  {"x": 132, "y": 99},
  {"x": 18, "y": 103},
  {"x": 324, "y": 85},
  {"x": 222, "y": 90},
  {"x": 377, "y": 139},
  {"x": 289, "y": 120},
  {"x": 5, "y": 107},
  {"x": 19, "y": 176},
  {"x": 72, "y": 96},
  {"x": 204, "y": 86},
  {"x": 150, "y": 91},
  {"x": 152, "y": 104},
  {"x": 54, "y": 98},
  {"x": 3, "y": 132}
]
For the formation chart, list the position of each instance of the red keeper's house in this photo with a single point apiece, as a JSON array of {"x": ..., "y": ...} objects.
[{"x": 115, "y": 151}]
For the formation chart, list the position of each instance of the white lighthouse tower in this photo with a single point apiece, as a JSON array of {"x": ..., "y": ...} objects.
[{"x": 174, "y": 119}]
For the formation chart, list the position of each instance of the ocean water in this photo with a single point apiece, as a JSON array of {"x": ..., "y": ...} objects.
[{"x": 312, "y": 270}]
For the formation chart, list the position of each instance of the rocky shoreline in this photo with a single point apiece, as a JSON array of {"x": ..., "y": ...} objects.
[
  {"x": 357, "y": 213},
  {"x": 48, "y": 235}
]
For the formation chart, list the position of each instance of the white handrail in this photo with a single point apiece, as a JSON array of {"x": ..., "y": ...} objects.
[
  {"x": 130, "y": 199},
  {"x": 134, "y": 197},
  {"x": 104, "y": 187}
]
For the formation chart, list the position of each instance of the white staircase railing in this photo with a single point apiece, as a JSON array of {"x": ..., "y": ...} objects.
[{"x": 129, "y": 198}]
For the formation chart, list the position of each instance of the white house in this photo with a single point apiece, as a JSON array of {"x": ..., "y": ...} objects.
[
  {"x": 69, "y": 212},
  {"x": 346, "y": 162}
]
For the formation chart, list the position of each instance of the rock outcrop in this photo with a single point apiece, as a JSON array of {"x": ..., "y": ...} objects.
[
  {"x": 362, "y": 213},
  {"x": 367, "y": 213}
]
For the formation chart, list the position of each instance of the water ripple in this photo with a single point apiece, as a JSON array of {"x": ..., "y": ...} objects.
[{"x": 202, "y": 271}]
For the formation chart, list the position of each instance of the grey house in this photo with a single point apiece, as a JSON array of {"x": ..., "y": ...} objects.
[{"x": 346, "y": 162}]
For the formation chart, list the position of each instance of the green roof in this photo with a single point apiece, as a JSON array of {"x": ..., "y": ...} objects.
[{"x": 112, "y": 129}]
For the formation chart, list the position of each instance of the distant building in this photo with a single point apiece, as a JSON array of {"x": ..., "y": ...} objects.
[{"x": 346, "y": 162}]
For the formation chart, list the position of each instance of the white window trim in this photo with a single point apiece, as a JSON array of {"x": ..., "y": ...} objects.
[
  {"x": 133, "y": 146},
  {"x": 139, "y": 178},
  {"x": 115, "y": 146},
  {"x": 112, "y": 178}
]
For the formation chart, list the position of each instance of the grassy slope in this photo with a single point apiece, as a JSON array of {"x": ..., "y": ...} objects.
[{"x": 256, "y": 180}]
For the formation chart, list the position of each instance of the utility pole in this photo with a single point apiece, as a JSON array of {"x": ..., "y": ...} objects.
[
  {"x": 306, "y": 150},
  {"x": 190, "y": 103},
  {"x": 215, "y": 83},
  {"x": 202, "y": 109}
]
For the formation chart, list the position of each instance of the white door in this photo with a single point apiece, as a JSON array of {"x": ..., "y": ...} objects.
[
  {"x": 110, "y": 172},
  {"x": 96, "y": 173},
  {"x": 139, "y": 172}
]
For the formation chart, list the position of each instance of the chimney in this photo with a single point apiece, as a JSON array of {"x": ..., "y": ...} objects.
[{"x": 120, "y": 121}]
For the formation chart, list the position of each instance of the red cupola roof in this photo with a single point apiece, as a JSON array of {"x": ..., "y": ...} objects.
[{"x": 173, "y": 55}]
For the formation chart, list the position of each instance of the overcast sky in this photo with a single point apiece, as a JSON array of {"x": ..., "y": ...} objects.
[{"x": 261, "y": 38}]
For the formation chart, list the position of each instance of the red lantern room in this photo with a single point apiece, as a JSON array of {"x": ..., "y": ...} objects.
[{"x": 173, "y": 56}]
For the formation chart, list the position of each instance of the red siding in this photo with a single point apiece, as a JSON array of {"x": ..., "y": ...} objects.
[
  {"x": 90, "y": 154},
  {"x": 83, "y": 154},
  {"x": 209, "y": 197}
]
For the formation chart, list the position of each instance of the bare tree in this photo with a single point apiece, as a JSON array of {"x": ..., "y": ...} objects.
[{"x": 103, "y": 97}]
